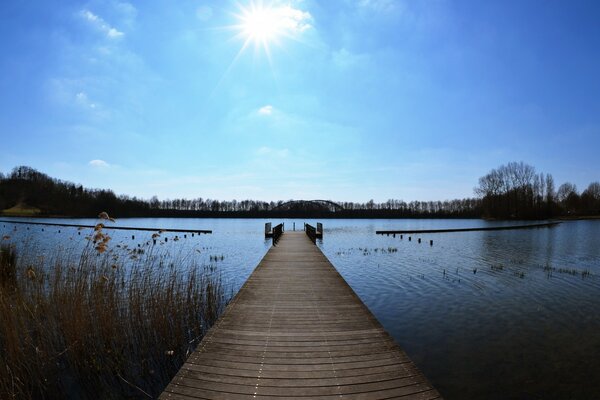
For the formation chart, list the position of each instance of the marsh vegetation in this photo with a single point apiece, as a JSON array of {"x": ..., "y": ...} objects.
[{"x": 102, "y": 322}]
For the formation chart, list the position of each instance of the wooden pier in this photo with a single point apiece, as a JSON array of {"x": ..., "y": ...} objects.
[
  {"x": 488, "y": 228},
  {"x": 296, "y": 330},
  {"x": 123, "y": 228}
]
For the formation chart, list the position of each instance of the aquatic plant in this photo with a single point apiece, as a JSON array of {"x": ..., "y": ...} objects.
[
  {"x": 94, "y": 325},
  {"x": 8, "y": 266}
]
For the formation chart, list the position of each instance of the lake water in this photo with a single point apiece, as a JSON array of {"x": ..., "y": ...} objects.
[{"x": 485, "y": 315}]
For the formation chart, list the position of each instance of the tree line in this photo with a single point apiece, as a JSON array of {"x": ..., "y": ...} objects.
[
  {"x": 517, "y": 191},
  {"x": 511, "y": 191},
  {"x": 27, "y": 186}
]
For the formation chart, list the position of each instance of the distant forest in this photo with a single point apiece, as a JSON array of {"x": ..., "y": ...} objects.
[
  {"x": 516, "y": 191},
  {"x": 513, "y": 191}
]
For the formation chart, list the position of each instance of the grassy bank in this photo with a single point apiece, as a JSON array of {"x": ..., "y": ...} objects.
[
  {"x": 90, "y": 326},
  {"x": 21, "y": 210}
]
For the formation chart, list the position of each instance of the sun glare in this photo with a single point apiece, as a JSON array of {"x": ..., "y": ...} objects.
[
  {"x": 260, "y": 25},
  {"x": 264, "y": 25}
]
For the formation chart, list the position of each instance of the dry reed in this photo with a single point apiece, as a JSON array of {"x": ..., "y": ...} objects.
[{"x": 91, "y": 326}]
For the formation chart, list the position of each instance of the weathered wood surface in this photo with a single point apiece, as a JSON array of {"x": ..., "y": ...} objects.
[{"x": 297, "y": 330}]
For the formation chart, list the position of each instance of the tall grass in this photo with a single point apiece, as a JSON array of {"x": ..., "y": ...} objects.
[{"x": 91, "y": 326}]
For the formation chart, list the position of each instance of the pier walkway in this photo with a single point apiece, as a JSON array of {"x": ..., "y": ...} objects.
[{"x": 296, "y": 330}]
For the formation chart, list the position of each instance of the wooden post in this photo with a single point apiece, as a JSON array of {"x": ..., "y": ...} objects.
[
  {"x": 431, "y": 242},
  {"x": 311, "y": 232},
  {"x": 277, "y": 232}
]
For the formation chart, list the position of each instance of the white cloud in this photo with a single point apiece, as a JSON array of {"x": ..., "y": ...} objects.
[
  {"x": 101, "y": 25},
  {"x": 99, "y": 164},
  {"x": 266, "y": 110},
  {"x": 294, "y": 19},
  {"x": 82, "y": 99}
]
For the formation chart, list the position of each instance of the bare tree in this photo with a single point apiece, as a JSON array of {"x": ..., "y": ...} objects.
[{"x": 565, "y": 190}]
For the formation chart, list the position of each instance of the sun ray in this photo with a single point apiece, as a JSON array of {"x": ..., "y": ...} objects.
[{"x": 264, "y": 26}]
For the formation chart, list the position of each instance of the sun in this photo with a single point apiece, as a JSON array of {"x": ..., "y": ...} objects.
[{"x": 261, "y": 25}]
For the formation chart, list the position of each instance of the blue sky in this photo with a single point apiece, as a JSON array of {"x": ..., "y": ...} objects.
[{"x": 344, "y": 100}]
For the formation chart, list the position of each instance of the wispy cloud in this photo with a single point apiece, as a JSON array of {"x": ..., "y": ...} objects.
[
  {"x": 266, "y": 110},
  {"x": 101, "y": 25},
  {"x": 82, "y": 99},
  {"x": 127, "y": 13},
  {"x": 294, "y": 19},
  {"x": 99, "y": 164}
]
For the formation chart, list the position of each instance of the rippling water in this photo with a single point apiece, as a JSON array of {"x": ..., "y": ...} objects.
[{"x": 485, "y": 315}]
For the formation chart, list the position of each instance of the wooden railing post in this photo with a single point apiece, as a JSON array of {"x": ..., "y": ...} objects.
[
  {"x": 311, "y": 232},
  {"x": 277, "y": 232}
]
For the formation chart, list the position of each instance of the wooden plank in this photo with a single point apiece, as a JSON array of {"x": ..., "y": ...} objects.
[{"x": 297, "y": 330}]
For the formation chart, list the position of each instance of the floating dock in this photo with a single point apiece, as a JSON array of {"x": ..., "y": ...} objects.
[{"x": 296, "y": 330}]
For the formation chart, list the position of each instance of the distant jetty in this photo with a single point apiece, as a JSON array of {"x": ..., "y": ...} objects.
[
  {"x": 492, "y": 228},
  {"x": 124, "y": 228}
]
